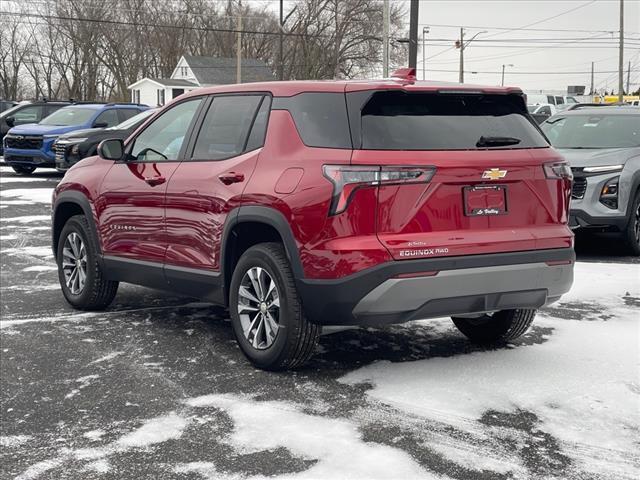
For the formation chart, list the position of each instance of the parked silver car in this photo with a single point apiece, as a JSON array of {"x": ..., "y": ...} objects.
[{"x": 602, "y": 145}]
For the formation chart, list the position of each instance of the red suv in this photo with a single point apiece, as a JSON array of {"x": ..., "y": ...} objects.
[{"x": 303, "y": 204}]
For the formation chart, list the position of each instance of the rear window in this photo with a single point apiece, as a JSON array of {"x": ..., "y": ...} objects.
[
  {"x": 320, "y": 118},
  {"x": 594, "y": 131},
  {"x": 430, "y": 121}
]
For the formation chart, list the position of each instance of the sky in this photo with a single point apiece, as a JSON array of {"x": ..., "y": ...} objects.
[{"x": 598, "y": 19}]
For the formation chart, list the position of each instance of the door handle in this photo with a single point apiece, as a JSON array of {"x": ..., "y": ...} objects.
[
  {"x": 153, "y": 181},
  {"x": 231, "y": 177}
]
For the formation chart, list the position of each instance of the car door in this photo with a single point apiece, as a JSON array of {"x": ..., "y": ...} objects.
[
  {"x": 209, "y": 183},
  {"x": 132, "y": 194}
]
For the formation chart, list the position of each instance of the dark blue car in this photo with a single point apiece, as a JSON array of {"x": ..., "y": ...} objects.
[{"x": 27, "y": 147}]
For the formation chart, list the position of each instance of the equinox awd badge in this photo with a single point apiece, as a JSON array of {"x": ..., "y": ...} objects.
[{"x": 494, "y": 174}]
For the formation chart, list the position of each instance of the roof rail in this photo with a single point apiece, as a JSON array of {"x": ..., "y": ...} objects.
[
  {"x": 578, "y": 106},
  {"x": 128, "y": 103}
]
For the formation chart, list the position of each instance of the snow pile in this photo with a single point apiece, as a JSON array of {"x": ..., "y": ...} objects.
[
  {"x": 26, "y": 196},
  {"x": 337, "y": 445},
  {"x": 582, "y": 383}
]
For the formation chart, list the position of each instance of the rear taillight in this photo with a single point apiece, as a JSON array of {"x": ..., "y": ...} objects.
[
  {"x": 559, "y": 170},
  {"x": 346, "y": 179}
]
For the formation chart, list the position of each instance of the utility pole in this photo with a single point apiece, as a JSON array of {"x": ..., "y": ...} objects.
[
  {"x": 629, "y": 78},
  {"x": 621, "y": 55},
  {"x": 461, "y": 75},
  {"x": 503, "y": 67},
  {"x": 591, "y": 91},
  {"x": 413, "y": 34},
  {"x": 239, "y": 48},
  {"x": 281, "y": 44},
  {"x": 425, "y": 30},
  {"x": 385, "y": 39}
]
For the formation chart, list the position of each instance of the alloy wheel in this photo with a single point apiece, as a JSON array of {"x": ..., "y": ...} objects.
[
  {"x": 259, "y": 308},
  {"x": 74, "y": 263}
]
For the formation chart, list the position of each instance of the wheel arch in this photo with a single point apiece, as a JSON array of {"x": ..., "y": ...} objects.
[
  {"x": 67, "y": 205},
  {"x": 249, "y": 225}
]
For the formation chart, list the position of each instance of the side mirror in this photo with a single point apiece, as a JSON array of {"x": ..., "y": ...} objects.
[
  {"x": 100, "y": 125},
  {"x": 111, "y": 149},
  {"x": 11, "y": 121}
]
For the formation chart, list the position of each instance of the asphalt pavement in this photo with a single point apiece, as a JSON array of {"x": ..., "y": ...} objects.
[{"x": 156, "y": 388}]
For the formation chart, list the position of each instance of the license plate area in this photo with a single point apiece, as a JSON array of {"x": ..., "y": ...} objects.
[{"x": 485, "y": 200}]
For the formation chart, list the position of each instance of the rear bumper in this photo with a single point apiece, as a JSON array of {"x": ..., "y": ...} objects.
[{"x": 463, "y": 285}]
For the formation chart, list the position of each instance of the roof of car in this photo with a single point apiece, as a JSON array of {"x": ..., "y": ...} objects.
[{"x": 291, "y": 88}]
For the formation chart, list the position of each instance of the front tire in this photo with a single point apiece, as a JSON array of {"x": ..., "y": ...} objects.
[
  {"x": 81, "y": 277},
  {"x": 497, "y": 327},
  {"x": 632, "y": 232},
  {"x": 23, "y": 169},
  {"x": 267, "y": 317}
]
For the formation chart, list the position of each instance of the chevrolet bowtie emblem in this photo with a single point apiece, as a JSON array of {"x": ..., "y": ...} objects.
[{"x": 494, "y": 174}]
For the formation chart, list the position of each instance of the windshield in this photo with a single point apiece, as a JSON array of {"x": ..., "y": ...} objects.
[
  {"x": 131, "y": 122},
  {"x": 69, "y": 116},
  {"x": 428, "y": 121},
  {"x": 7, "y": 113},
  {"x": 594, "y": 131}
]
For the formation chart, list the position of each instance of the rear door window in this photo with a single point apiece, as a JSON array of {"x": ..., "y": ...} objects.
[
  {"x": 429, "y": 121},
  {"x": 225, "y": 127}
]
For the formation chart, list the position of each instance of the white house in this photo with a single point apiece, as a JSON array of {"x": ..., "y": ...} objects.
[{"x": 193, "y": 72}]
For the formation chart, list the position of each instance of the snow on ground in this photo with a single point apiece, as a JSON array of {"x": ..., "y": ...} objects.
[
  {"x": 26, "y": 196},
  {"x": 27, "y": 218},
  {"x": 336, "y": 444},
  {"x": 582, "y": 383}
]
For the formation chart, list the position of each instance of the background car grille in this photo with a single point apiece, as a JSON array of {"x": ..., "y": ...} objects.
[
  {"x": 579, "y": 187},
  {"x": 60, "y": 149},
  {"x": 24, "y": 142}
]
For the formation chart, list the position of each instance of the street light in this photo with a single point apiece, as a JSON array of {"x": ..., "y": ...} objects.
[
  {"x": 425, "y": 30},
  {"x": 462, "y": 45},
  {"x": 503, "y": 65}
]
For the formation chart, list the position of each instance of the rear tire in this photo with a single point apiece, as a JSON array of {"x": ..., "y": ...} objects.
[
  {"x": 78, "y": 251},
  {"x": 262, "y": 296},
  {"x": 502, "y": 326},
  {"x": 23, "y": 170},
  {"x": 632, "y": 232}
]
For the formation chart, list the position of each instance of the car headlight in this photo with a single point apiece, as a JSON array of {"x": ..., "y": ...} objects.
[
  {"x": 603, "y": 169},
  {"x": 609, "y": 193}
]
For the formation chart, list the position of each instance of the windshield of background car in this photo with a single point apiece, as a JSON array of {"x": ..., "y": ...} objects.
[
  {"x": 532, "y": 108},
  {"x": 7, "y": 113},
  {"x": 594, "y": 131},
  {"x": 69, "y": 116},
  {"x": 131, "y": 122},
  {"x": 437, "y": 121}
]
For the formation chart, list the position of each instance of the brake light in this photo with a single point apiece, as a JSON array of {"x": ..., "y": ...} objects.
[
  {"x": 346, "y": 179},
  {"x": 559, "y": 170}
]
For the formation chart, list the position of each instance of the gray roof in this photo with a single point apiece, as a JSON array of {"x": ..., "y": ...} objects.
[
  {"x": 220, "y": 71},
  {"x": 170, "y": 82}
]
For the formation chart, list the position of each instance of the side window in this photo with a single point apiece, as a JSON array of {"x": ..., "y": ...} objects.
[
  {"x": 108, "y": 118},
  {"x": 551, "y": 99},
  {"x": 559, "y": 101},
  {"x": 126, "y": 113},
  {"x": 162, "y": 140},
  {"x": 28, "y": 115},
  {"x": 546, "y": 110},
  {"x": 224, "y": 130},
  {"x": 321, "y": 119},
  {"x": 259, "y": 129}
]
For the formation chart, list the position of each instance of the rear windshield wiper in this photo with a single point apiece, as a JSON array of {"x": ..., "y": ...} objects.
[{"x": 496, "y": 141}]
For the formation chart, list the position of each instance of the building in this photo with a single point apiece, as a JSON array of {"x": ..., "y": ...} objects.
[{"x": 193, "y": 72}]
